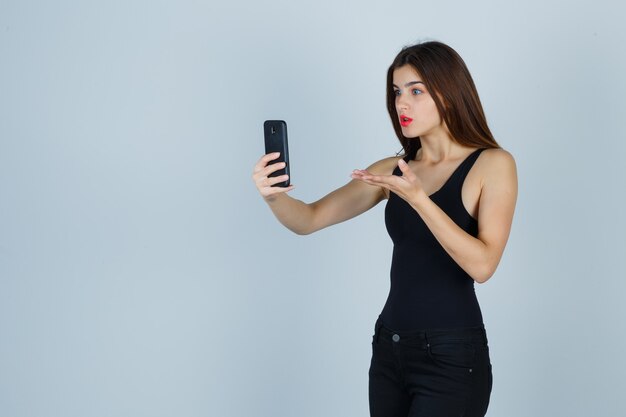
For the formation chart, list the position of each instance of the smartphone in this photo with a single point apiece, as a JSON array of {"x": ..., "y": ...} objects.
[{"x": 276, "y": 141}]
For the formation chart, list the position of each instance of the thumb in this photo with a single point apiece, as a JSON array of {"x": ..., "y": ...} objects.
[{"x": 404, "y": 167}]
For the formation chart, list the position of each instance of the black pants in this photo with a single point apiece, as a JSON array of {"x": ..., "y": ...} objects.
[{"x": 431, "y": 373}]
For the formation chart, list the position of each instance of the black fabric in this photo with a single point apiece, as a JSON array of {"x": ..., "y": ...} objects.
[
  {"x": 429, "y": 290},
  {"x": 431, "y": 373}
]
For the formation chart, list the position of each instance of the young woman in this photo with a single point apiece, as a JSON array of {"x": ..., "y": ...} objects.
[{"x": 450, "y": 201}]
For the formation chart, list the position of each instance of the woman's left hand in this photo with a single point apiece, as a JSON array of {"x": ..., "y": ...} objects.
[{"x": 408, "y": 186}]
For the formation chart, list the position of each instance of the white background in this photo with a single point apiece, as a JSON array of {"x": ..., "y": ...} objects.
[{"x": 141, "y": 274}]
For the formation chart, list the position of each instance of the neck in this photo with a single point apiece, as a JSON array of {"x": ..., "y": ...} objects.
[{"x": 439, "y": 148}]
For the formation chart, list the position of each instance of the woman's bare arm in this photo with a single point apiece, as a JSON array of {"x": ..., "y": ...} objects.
[
  {"x": 478, "y": 256},
  {"x": 342, "y": 204}
]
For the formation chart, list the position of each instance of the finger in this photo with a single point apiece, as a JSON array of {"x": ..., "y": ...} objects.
[
  {"x": 368, "y": 180},
  {"x": 404, "y": 167},
  {"x": 362, "y": 178},
  {"x": 375, "y": 183},
  {"x": 273, "y": 168},
  {"x": 266, "y": 171},
  {"x": 270, "y": 156},
  {"x": 263, "y": 161},
  {"x": 357, "y": 174},
  {"x": 378, "y": 179},
  {"x": 277, "y": 190},
  {"x": 358, "y": 178},
  {"x": 361, "y": 172},
  {"x": 275, "y": 180}
]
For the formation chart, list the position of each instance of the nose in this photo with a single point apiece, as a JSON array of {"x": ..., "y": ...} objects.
[{"x": 401, "y": 103}]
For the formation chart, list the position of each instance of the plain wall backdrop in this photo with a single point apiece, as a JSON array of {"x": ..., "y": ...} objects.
[{"x": 141, "y": 274}]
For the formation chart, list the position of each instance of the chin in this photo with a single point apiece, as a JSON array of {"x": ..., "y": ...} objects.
[
  {"x": 410, "y": 135},
  {"x": 410, "y": 132}
]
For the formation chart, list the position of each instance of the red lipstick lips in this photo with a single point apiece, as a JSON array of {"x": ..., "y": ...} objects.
[{"x": 405, "y": 120}]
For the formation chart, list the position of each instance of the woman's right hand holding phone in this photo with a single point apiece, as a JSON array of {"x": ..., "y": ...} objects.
[{"x": 262, "y": 179}]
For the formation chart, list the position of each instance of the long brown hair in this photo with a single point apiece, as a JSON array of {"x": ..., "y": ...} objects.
[{"x": 444, "y": 73}]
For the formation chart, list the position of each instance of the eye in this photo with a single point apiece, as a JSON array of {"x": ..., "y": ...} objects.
[
  {"x": 396, "y": 93},
  {"x": 415, "y": 91}
]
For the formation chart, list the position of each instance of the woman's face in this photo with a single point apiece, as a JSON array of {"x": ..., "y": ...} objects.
[{"x": 416, "y": 108}]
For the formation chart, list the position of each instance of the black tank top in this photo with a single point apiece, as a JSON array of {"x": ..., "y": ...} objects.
[{"x": 429, "y": 290}]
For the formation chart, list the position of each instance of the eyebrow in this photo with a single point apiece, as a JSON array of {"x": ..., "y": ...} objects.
[{"x": 410, "y": 83}]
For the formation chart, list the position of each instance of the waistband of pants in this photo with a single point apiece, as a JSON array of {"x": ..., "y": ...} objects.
[{"x": 474, "y": 334}]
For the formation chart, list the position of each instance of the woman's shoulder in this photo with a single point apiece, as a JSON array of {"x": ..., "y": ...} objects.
[
  {"x": 496, "y": 162},
  {"x": 496, "y": 157}
]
